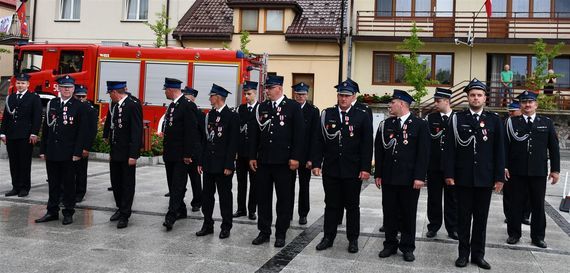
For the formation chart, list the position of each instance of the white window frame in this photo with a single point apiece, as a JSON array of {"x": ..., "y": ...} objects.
[
  {"x": 60, "y": 11},
  {"x": 138, "y": 16}
]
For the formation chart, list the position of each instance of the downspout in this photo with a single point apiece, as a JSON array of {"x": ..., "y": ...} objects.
[
  {"x": 349, "y": 41},
  {"x": 34, "y": 21},
  {"x": 167, "y": 17}
]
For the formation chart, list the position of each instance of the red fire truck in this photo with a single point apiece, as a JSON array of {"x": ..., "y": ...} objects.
[{"x": 144, "y": 69}]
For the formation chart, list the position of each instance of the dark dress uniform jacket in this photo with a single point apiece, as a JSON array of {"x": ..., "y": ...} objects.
[
  {"x": 311, "y": 115},
  {"x": 66, "y": 138},
  {"x": 221, "y": 142},
  {"x": 438, "y": 130},
  {"x": 403, "y": 163},
  {"x": 180, "y": 134},
  {"x": 27, "y": 117},
  {"x": 277, "y": 144},
  {"x": 200, "y": 140},
  {"x": 484, "y": 165},
  {"x": 530, "y": 157},
  {"x": 246, "y": 122},
  {"x": 353, "y": 154},
  {"x": 92, "y": 120},
  {"x": 126, "y": 136},
  {"x": 363, "y": 107}
]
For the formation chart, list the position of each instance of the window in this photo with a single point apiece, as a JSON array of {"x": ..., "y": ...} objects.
[
  {"x": 444, "y": 8},
  {"x": 419, "y": 8},
  {"x": 562, "y": 8},
  {"x": 69, "y": 9},
  {"x": 137, "y": 9},
  {"x": 561, "y": 65},
  {"x": 30, "y": 62},
  {"x": 70, "y": 62},
  {"x": 541, "y": 8},
  {"x": 499, "y": 8},
  {"x": 386, "y": 70},
  {"x": 520, "y": 8},
  {"x": 309, "y": 79},
  {"x": 249, "y": 20},
  {"x": 274, "y": 20},
  {"x": 522, "y": 67}
]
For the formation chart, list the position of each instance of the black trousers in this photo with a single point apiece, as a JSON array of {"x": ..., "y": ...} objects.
[
  {"x": 176, "y": 179},
  {"x": 267, "y": 176},
  {"x": 61, "y": 175},
  {"x": 20, "y": 158},
  {"x": 242, "y": 171},
  {"x": 436, "y": 186},
  {"x": 507, "y": 202},
  {"x": 81, "y": 176},
  {"x": 535, "y": 188},
  {"x": 303, "y": 205},
  {"x": 341, "y": 194},
  {"x": 400, "y": 205},
  {"x": 123, "y": 183},
  {"x": 196, "y": 184},
  {"x": 473, "y": 203},
  {"x": 224, "y": 185}
]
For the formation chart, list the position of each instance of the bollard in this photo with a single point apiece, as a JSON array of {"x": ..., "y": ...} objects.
[{"x": 147, "y": 141}]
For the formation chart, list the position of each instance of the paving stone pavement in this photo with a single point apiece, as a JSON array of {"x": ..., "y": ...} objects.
[{"x": 93, "y": 244}]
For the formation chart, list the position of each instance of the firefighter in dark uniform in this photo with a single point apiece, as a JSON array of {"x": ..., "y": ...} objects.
[
  {"x": 311, "y": 116},
  {"x": 439, "y": 126},
  {"x": 401, "y": 158},
  {"x": 20, "y": 128},
  {"x": 475, "y": 163},
  {"x": 180, "y": 135},
  {"x": 531, "y": 142},
  {"x": 246, "y": 113},
  {"x": 343, "y": 150},
  {"x": 64, "y": 132},
  {"x": 195, "y": 178},
  {"x": 81, "y": 166},
  {"x": 276, "y": 148},
  {"x": 218, "y": 161},
  {"x": 125, "y": 124}
]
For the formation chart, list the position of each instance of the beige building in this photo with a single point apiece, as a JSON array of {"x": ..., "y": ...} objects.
[
  {"x": 97, "y": 21},
  {"x": 300, "y": 37},
  {"x": 7, "y": 9},
  {"x": 379, "y": 26}
]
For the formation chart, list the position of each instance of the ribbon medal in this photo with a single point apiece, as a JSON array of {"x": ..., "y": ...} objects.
[
  {"x": 351, "y": 129},
  {"x": 482, "y": 124},
  {"x": 281, "y": 117},
  {"x": 346, "y": 118},
  {"x": 485, "y": 138},
  {"x": 405, "y": 134}
]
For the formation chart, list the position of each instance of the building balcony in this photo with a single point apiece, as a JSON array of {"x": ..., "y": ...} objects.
[
  {"x": 14, "y": 34},
  {"x": 512, "y": 27}
]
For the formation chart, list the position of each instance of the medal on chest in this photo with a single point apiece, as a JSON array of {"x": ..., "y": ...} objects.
[
  {"x": 351, "y": 130},
  {"x": 484, "y": 131},
  {"x": 405, "y": 134}
]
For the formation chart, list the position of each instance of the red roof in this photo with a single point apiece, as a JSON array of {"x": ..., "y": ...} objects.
[{"x": 213, "y": 19}]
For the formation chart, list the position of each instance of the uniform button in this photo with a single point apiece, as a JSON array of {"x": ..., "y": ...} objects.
[
  {"x": 271, "y": 141},
  {"x": 475, "y": 162},
  {"x": 395, "y": 152},
  {"x": 271, "y": 132},
  {"x": 395, "y": 160},
  {"x": 339, "y": 153},
  {"x": 529, "y": 153}
]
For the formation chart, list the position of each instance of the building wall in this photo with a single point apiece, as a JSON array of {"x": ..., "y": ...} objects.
[
  {"x": 6, "y": 61},
  {"x": 102, "y": 20},
  {"x": 286, "y": 58}
]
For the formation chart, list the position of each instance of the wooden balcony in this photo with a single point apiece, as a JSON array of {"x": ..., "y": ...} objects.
[{"x": 445, "y": 26}]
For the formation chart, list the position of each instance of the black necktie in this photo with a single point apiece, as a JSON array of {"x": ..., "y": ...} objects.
[
  {"x": 529, "y": 122},
  {"x": 19, "y": 96},
  {"x": 274, "y": 105},
  {"x": 399, "y": 121},
  {"x": 445, "y": 118},
  {"x": 249, "y": 108},
  {"x": 343, "y": 116},
  {"x": 476, "y": 117}
]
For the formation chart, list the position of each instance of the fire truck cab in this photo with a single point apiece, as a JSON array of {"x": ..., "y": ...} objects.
[{"x": 144, "y": 69}]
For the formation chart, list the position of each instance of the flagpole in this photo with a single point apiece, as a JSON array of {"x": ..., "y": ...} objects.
[{"x": 477, "y": 15}]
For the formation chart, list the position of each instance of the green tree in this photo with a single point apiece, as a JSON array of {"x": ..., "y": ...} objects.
[
  {"x": 244, "y": 40},
  {"x": 416, "y": 73},
  {"x": 160, "y": 29}
]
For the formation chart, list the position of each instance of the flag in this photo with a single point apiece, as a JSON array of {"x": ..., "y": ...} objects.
[
  {"x": 22, "y": 18},
  {"x": 489, "y": 7}
]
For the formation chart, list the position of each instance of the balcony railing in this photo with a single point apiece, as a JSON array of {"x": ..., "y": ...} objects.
[
  {"x": 512, "y": 25},
  {"x": 14, "y": 32}
]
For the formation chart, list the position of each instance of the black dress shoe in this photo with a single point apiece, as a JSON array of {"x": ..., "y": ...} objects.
[
  {"x": 23, "y": 193},
  {"x": 67, "y": 220},
  {"x": 168, "y": 223},
  {"x": 167, "y": 194},
  {"x": 453, "y": 235},
  {"x": 387, "y": 252},
  {"x": 110, "y": 188},
  {"x": 11, "y": 193},
  {"x": 48, "y": 217},
  {"x": 115, "y": 216},
  {"x": 123, "y": 223},
  {"x": 539, "y": 243},
  {"x": 279, "y": 242},
  {"x": 196, "y": 208},
  {"x": 325, "y": 243},
  {"x": 252, "y": 216},
  {"x": 512, "y": 240},
  {"x": 381, "y": 229},
  {"x": 461, "y": 262},
  {"x": 481, "y": 263},
  {"x": 525, "y": 221},
  {"x": 239, "y": 213},
  {"x": 260, "y": 239},
  {"x": 302, "y": 220},
  {"x": 225, "y": 233},
  {"x": 431, "y": 233},
  {"x": 182, "y": 215},
  {"x": 205, "y": 231},
  {"x": 353, "y": 246},
  {"x": 409, "y": 256}
]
